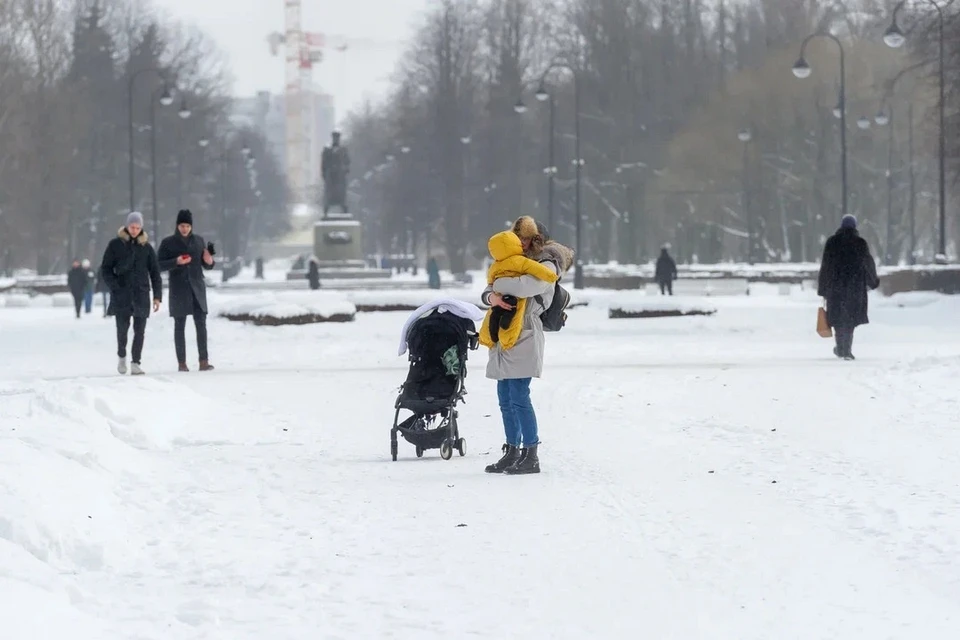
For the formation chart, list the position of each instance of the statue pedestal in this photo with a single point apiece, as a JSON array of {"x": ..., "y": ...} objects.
[
  {"x": 338, "y": 247},
  {"x": 338, "y": 242}
]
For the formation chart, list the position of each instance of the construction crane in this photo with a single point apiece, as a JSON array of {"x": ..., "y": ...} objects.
[{"x": 303, "y": 50}]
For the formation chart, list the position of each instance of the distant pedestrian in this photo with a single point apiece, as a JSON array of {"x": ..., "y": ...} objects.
[
  {"x": 91, "y": 285},
  {"x": 433, "y": 273},
  {"x": 129, "y": 269},
  {"x": 77, "y": 282},
  {"x": 666, "y": 271},
  {"x": 258, "y": 266},
  {"x": 847, "y": 270},
  {"x": 313, "y": 273},
  {"x": 185, "y": 256},
  {"x": 104, "y": 290}
]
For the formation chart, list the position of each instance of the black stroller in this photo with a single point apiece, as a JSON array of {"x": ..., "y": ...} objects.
[{"x": 438, "y": 345}]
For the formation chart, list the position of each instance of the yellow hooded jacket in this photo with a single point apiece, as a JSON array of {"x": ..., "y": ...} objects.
[{"x": 507, "y": 251}]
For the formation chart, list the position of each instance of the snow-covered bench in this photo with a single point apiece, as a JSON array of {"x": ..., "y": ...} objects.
[
  {"x": 287, "y": 309},
  {"x": 647, "y": 307},
  {"x": 706, "y": 287}
]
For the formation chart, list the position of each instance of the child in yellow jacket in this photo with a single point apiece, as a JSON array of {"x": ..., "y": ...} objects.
[{"x": 502, "y": 325}]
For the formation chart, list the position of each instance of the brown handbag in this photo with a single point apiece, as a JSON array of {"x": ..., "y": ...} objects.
[{"x": 823, "y": 327}]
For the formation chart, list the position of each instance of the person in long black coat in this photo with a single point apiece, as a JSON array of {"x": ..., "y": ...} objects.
[
  {"x": 129, "y": 269},
  {"x": 666, "y": 272},
  {"x": 846, "y": 272},
  {"x": 77, "y": 283},
  {"x": 185, "y": 255}
]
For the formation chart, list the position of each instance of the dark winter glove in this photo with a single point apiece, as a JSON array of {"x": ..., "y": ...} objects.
[{"x": 210, "y": 248}]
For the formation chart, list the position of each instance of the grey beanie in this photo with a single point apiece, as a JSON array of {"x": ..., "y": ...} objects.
[
  {"x": 135, "y": 217},
  {"x": 848, "y": 222}
]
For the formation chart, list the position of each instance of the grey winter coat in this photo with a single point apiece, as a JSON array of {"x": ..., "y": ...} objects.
[{"x": 525, "y": 358}]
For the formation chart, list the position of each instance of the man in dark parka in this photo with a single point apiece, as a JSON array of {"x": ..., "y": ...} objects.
[
  {"x": 129, "y": 269},
  {"x": 666, "y": 271},
  {"x": 77, "y": 282},
  {"x": 846, "y": 272},
  {"x": 185, "y": 256}
]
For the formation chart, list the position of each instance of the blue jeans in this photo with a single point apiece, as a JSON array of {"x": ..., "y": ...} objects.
[{"x": 519, "y": 419}]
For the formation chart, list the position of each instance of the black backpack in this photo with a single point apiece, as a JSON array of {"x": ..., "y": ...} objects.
[{"x": 554, "y": 317}]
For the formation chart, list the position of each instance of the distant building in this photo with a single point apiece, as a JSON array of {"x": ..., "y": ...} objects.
[{"x": 266, "y": 113}]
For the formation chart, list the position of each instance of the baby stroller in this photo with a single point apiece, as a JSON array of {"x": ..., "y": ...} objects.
[{"x": 438, "y": 344}]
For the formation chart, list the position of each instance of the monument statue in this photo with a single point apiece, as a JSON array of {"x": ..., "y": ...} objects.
[{"x": 334, "y": 167}]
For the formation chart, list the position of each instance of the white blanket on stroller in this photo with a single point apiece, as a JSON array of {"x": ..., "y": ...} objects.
[{"x": 442, "y": 305}]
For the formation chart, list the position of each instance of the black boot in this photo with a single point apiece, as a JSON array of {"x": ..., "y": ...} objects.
[
  {"x": 510, "y": 456},
  {"x": 528, "y": 462}
]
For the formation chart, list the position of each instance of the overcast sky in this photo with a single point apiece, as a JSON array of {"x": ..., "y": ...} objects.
[{"x": 241, "y": 27}]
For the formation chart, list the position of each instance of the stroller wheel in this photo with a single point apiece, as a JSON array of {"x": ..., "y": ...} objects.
[
  {"x": 462, "y": 446},
  {"x": 446, "y": 451},
  {"x": 419, "y": 452}
]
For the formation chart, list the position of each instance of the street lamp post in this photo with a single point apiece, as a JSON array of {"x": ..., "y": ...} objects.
[
  {"x": 543, "y": 94},
  {"x": 130, "y": 85},
  {"x": 184, "y": 113},
  {"x": 551, "y": 168},
  {"x": 884, "y": 118},
  {"x": 894, "y": 38},
  {"x": 745, "y": 136},
  {"x": 801, "y": 69},
  {"x": 165, "y": 99}
]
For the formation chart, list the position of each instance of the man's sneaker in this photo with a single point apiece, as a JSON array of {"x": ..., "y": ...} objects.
[
  {"x": 122, "y": 366},
  {"x": 205, "y": 365},
  {"x": 135, "y": 369},
  {"x": 183, "y": 367}
]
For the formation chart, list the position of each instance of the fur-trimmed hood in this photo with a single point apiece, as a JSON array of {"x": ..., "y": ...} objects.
[
  {"x": 124, "y": 235},
  {"x": 559, "y": 253},
  {"x": 525, "y": 227}
]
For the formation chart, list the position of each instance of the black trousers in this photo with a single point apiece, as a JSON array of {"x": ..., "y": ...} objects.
[
  {"x": 844, "y": 338},
  {"x": 77, "y": 303},
  {"x": 666, "y": 286},
  {"x": 180, "y": 333},
  {"x": 123, "y": 326}
]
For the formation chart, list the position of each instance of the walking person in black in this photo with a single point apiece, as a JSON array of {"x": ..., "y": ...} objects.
[
  {"x": 129, "y": 269},
  {"x": 846, "y": 272},
  {"x": 666, "y": 272},
  {"x": 77, "y": 283},
  {"x": 185, "y": 256}
]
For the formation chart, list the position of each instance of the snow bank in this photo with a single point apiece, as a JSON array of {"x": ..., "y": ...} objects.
[
  {"x": 61, "y": 300},
  {"x": 7, "y": 283},
  {"x": 17, "y": 301},
  {"x": 292, "y": 307},
  {"x": 83, "y": 493}
]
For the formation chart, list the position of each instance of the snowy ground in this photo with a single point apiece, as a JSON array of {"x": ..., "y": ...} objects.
[{"x": 713, "y": 478}]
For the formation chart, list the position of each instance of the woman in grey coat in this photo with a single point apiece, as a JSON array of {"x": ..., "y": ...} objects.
[{"x": 514, "y": 368}]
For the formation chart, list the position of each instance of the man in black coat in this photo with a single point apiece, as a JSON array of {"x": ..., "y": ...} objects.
[
  {"x": 846, "y": 272},
  {"x": 666, "y": 272},
  {"x": 129, "y": 269},
  {"x": 77, "y": 283},
  {"x": 185, "y": 256}
]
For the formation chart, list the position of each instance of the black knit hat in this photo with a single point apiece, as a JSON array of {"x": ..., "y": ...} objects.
[{"x": 184, "y": 217}]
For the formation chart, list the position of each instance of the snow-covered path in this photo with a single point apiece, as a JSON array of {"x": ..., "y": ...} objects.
[{"x": 718, "y": 477}]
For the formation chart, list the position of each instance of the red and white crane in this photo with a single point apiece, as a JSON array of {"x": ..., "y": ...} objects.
[{"x": 304, "y": 49}]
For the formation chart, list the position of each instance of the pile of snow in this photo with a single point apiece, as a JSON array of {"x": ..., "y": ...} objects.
[
  {"x": 290, "y": 307},
  {"x": 84, "y": 488},
  {"x": 910, "y": 300},
  {"x": 649, "y": 307},
  {"x": 7, "y": 283},
  {"x": 61, "y": 300},
  {"x": 17, "y": 301}
]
